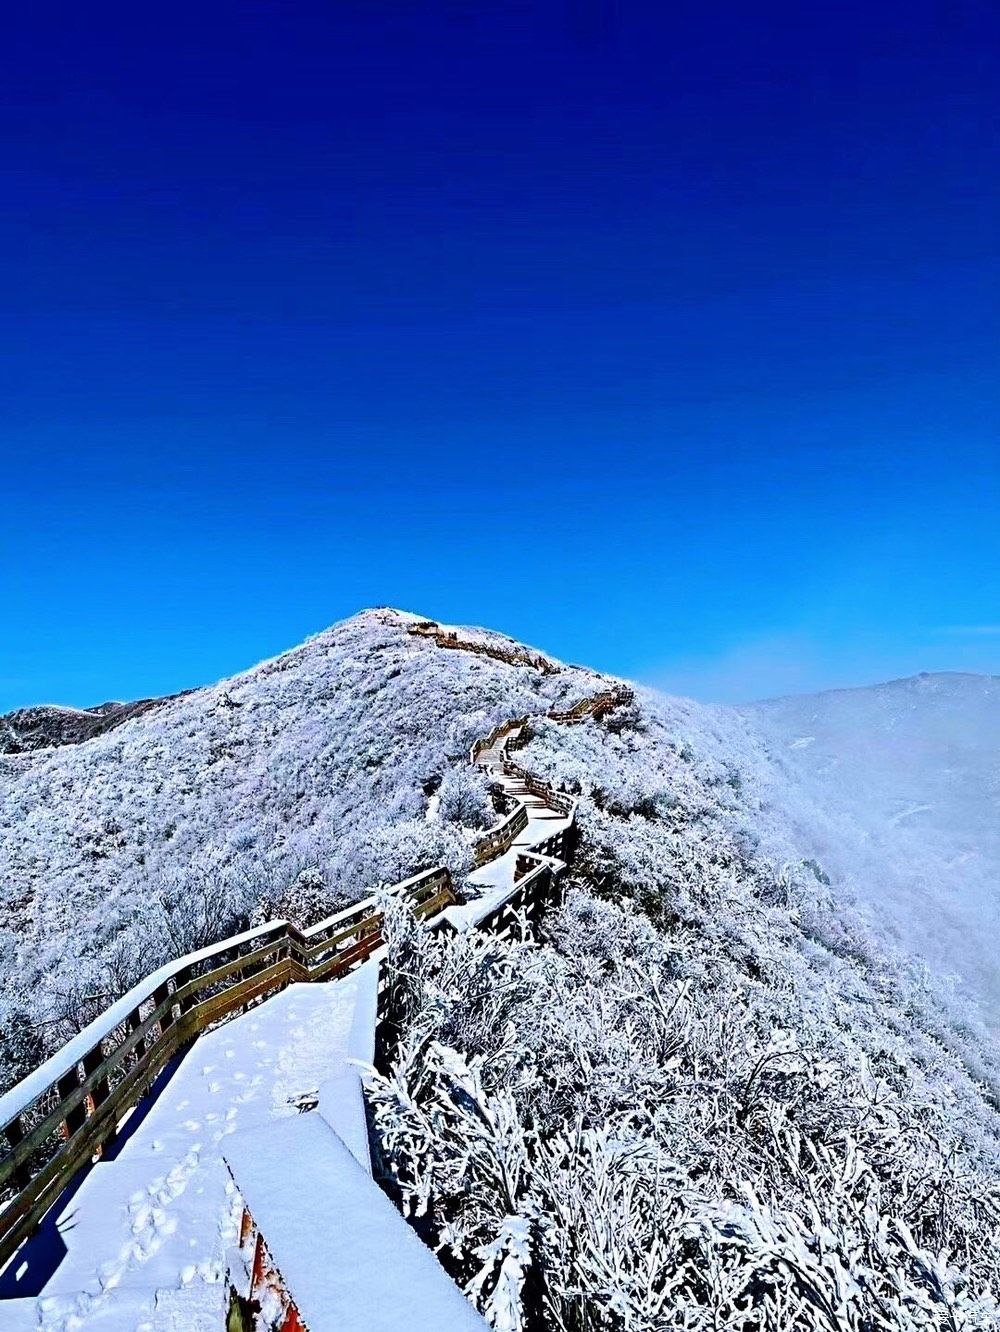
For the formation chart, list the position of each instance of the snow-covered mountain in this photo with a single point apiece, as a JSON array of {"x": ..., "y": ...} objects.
[
  {"x": 896, "y": 788},
  {"x": 48, "y": 725},
  {"x": 290, "y": 789},
  {"x": 297, "y": 786},
  {"x": 724, "y": 1085}
]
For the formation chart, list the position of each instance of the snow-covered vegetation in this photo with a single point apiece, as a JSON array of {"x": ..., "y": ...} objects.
[
  {"x": 711, "y": 1099},
  {"x": 712, "y": 1096}
]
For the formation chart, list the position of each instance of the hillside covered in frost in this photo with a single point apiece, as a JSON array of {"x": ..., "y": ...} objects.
[
  {"x": 711, "y": 1094},
  {"x": 290, "y": 790}
]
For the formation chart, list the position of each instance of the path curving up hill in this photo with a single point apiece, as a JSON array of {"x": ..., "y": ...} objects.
[{"x": 234, "y": 1039}]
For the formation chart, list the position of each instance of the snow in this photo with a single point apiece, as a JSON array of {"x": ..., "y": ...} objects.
[
  {"x": 40, "y": 1079},
  {"x": 741, "y": 837},
  {"x": 160, "y": 1216},
  {"x": 897, "y": 794},
  {"x": 288, "y": 791},
  {"x": 308, "y": 1197}
]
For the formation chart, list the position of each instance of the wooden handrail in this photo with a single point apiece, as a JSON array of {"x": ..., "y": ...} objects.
[
  {"x": 500, "y": 839},
  {"x": 448, "y": 638}
]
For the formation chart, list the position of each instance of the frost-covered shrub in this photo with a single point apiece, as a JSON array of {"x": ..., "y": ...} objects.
[
  {"x": 307, "y": 900},
  {"x": 465, "y": 798},
  {"x": 621, "y": 1130}
]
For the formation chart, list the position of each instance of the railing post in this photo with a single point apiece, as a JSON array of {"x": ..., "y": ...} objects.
[
  {"x": 160, "y": 995},
  {"x": 75, "y": 1117},
  {"x": 182, "y": 978},
  {"x": 14, "y": 1133},
  {"x": 92, "y": 1061}
]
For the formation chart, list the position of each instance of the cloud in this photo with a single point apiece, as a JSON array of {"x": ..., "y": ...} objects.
[{"x": 798, "y": 662}]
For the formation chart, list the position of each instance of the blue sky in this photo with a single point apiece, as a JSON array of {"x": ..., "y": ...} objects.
[{"x": 665, "y": 337}]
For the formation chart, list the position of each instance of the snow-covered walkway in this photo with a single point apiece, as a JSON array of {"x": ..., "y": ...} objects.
[
  {"x": 495, "y": 879},
  {"x": 146, "y": 1233}
]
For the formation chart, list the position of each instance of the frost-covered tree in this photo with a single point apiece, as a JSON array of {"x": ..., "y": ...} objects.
[{"x": 621, "y": 1130}]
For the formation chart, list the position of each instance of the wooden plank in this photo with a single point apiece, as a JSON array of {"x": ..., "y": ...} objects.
[
  {"x": 210, "y": 1010},
  {"x": 226, "y": 969}
]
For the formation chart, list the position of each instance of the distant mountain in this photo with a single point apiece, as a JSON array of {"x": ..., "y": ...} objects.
[
  {"x": 897, "y": 789},
  {"x": 48, "y": 725}
]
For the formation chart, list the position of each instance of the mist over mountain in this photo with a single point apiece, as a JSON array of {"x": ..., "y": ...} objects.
[{"x": 897, "y": 789}]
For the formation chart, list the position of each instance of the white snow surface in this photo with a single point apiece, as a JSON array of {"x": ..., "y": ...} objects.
[
  {"x": 284, "y": 792},
  {"x": 315, "y": 769},
  {"x": 155, "y": 1224},
  {"x": 306, "y": 1192},
  {"x": 896, "y": 788},
  {"x": 148, "y": 1233}
]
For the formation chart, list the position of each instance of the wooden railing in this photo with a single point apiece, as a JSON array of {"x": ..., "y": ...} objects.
[
  {"x": 500, "y": 839},
  {"x": 58, "y": 1118},
  {"x": 536, "y": 889},
  {"x": 448, "y": 638},
  {"x": 597, "y": 706},
  {"x": 498, "y": 733},
  {"x": 559, "y": 800}
]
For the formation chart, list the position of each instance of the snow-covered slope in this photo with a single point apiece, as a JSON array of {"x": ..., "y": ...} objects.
[
  {"x": 47, "y": 725},
  {"x": 713, "y": 1073},
  {"x": 308, "y": 780},
  {"x": 288, "y": 790},
  {"x": 896, "y": 788}
]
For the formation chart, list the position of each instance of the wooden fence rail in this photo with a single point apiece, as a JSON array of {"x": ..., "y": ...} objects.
[
  {"x": 536, "y": 889},
  {"x": 501, "y": 838},
  {"x": 514, "y": 656}
]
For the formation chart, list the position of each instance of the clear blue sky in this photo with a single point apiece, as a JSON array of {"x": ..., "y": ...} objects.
[{"x": 663, "y": 336}]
